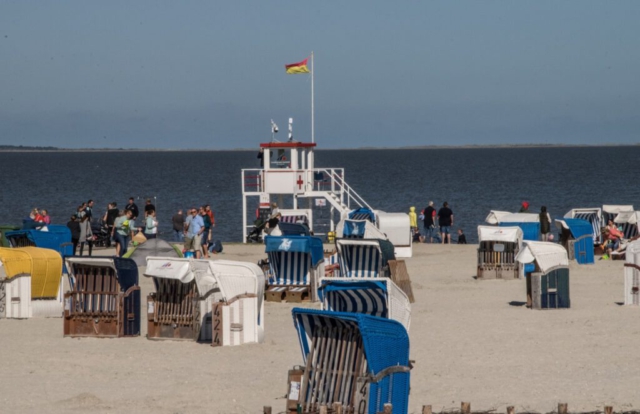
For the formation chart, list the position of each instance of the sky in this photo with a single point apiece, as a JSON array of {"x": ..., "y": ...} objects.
[{"x": 210, "y": 74}]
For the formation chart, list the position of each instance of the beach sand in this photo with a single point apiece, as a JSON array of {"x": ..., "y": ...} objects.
[{"x": 471, "y": 340}]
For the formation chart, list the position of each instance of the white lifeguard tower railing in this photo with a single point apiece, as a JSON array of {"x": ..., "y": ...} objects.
[{"x": 288, "y": 171}]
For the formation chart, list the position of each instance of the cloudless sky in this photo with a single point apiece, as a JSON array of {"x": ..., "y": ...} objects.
[{"x": 209, "y": 74}]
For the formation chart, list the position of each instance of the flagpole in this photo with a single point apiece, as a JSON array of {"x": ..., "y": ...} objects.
[{"x": 312, "y": 102}]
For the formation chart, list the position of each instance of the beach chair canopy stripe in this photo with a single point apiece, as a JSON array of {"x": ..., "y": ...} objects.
[
  {"x": 294, "y": 219},
  {"x": 293, "y": 229},
  {"x": 362, "y": 214},
  {"x": 360, "y": 260},
  {"x": 546, "y": 255},
  {"x": 368, "y": 297},
  {"x": 290, "y": 268},
  {"x": 385, "y": 343}
]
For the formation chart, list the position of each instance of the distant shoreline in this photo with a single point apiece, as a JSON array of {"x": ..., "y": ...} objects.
[{"x": 6, "y": 149}]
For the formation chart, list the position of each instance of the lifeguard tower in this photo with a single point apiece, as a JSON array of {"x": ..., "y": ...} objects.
[{"x": 288, "y": 172}]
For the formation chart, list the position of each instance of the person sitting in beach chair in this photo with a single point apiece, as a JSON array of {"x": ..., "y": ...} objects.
[{"x": 612, "y": 237}]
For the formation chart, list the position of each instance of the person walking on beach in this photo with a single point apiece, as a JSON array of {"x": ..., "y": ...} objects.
[
  {"x": 86, "y": 235},
  {"x": 122, "y": 232},
  {"x": 413, "y": 220},
  {"x": 205, "y": 233},
  {"x": 89, "y": 213},
  {"x": 150, "y": 224},
  {"x": 429, "y": 224},
  {"x": 193, "y": 237},
  {"x": 445, "y": 220},
  {"x": 110, "y": 218},
  {"x": 74, "y": 227},
  {"x": 133, "y": 208},
  {"x": 177, "y": 222},
  {"x": 149, "y": 206},
  {"x": 545, "y": 223},
  {"x": 207, "y": 208}
]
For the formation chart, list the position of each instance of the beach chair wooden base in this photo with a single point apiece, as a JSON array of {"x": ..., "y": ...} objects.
[
  {"x": 497, "y": 272},
  {"x": 297, "y": 294},
  {"x": 276, "y": 293},
  {"x": 400, "y": 276}
]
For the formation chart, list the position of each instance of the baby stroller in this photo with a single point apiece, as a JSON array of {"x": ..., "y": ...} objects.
[
  {"x": 101, "y": 235},
  {"x": 255, "y": 235}
]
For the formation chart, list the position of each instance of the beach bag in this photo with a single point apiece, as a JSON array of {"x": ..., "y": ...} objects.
[
  {"x": 216, "y": 247},
  {"x": 139, "y": 238}
]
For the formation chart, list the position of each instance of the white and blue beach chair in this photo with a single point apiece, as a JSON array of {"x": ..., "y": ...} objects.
[
  {"x": 358, "y": 360},
  {"x": 364, "y": 257},
  {"x": 296, "y": 263}
]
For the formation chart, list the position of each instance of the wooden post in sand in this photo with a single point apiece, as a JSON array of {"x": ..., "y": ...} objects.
[
  {"x": 511, "y": 410},
  {"x": 323, "y": 409},
  {"x": 563, "y": 408},
  {"x": 337, "y": 408},
  {"x": 388, "y": 409},
  {"x": 465, "y": 408},
  {"x": 266, "y": 410},
  {"x": 608, "y": 409},
  {"x": 426, "y": 409}
]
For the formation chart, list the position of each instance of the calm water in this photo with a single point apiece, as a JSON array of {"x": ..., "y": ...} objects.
[{"x": 473, "y": 181}]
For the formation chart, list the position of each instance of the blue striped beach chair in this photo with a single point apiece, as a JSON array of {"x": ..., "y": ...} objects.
[
  {"x": 379, "y": 297},
  {"x": 593, "y": 216},
  {"x": 364, "y": 257},
  {"x": 358, "y": 360},
  {"x": 296, "y": 263}
]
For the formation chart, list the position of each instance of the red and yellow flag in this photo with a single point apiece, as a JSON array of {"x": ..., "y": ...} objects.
[{"x": 300, "y": 67}]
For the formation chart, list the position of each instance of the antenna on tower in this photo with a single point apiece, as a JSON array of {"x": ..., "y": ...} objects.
[
  {"x": 290, "y": 129},
  {"x": 274, "y": 131}
]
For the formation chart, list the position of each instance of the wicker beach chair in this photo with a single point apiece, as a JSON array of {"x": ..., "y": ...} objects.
[
  {"x": 104, "y": 297},
  {"x": 359, "y": 360},
  {"x": 296, "y": 263},
  {"x": 497, "y": 250},
  {"x": 548, "y": 284},
  {"x": 577, "y": 238},
  {"x": 371, "y": 296},
  {"x": 364, "y": 257}
]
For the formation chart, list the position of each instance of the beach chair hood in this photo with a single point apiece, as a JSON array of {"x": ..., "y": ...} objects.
[
  {"x": 56, "y": 237},
  {"x": 577, "y": 227},
  {"x": 238, "y": 278},
  {"x": 631, "y": 217},
  {"x": 184, "y": 270},
  {"x": 126, "y": 269},
  {"x": 298, "y": 244},
  {"x": 500, "y": 234},
  {"x": 43, "y": 265},
  {"x": 495, "y": 216},
  {"x": 362, "y": 214},
  {"x": 360, "y": 229},
  {"x": 616, "y": 209},
  {"x": 546, "y": 255}
]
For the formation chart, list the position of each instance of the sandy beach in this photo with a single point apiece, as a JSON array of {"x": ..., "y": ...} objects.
[{"x": 471, "y": 340}]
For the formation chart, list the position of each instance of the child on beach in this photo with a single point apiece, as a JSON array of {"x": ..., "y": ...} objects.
[{"x": 462, "y": 239}]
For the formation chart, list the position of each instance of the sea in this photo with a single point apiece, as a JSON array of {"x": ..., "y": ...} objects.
[{"x": 472, "y": 180}]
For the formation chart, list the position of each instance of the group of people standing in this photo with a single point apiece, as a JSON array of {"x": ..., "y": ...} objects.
[
  {"x": 429, "y": 217},
  {"x": 118, "y": 225},
  {"x": 195, "y": 230}
]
